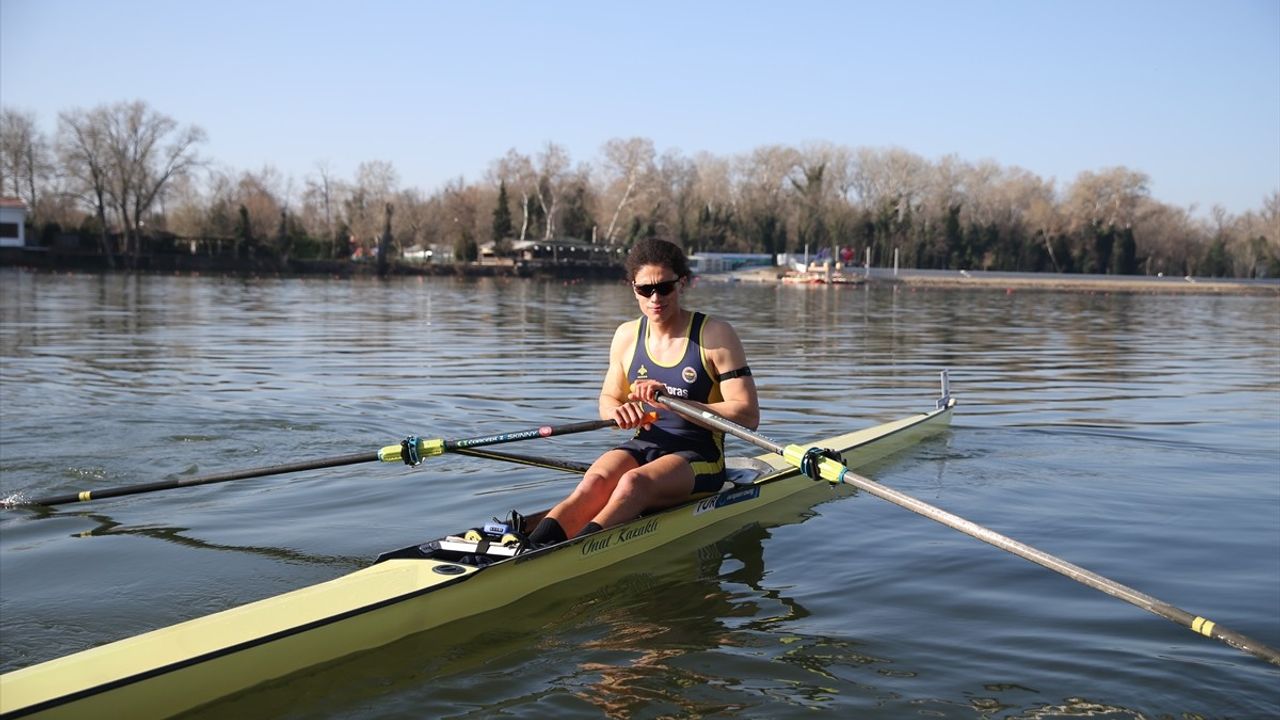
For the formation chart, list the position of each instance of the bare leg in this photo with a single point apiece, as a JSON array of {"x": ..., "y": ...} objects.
[
  {"x": 593, "y": 492},
  {"x": 663, "y": 482}
]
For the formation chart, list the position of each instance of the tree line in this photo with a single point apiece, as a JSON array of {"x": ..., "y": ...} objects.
[{"x": 124, "y": 173}]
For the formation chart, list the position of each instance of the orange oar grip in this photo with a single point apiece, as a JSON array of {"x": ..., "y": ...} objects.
[{"x": 649, "y": 418}]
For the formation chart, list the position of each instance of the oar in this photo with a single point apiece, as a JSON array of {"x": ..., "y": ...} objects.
[
  {"x": 573, "y": 466},
  {"x": 834, "y": 471},
  {"x": 417, "y": 449}
]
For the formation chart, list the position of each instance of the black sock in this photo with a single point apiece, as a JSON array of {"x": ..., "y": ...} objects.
[
  {"x": 590, "y": 528},
  {"x": 548, "y": 532}
]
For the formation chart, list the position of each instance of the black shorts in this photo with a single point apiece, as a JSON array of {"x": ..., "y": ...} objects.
[{"x": 705, "y": 458}]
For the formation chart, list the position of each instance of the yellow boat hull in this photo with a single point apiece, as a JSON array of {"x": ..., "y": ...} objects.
[{"x": 174, "y": 669}]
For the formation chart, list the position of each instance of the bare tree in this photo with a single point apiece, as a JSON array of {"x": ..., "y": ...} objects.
[
  {"x": 1034, "y": 207},
  {"x": 764, "y": 181},
  {"x": 892, "y": 178},
  {"x": 24, "y": 157},
  {"x": 84, "y": 152},
  {"x": 147, "y": 149},
  {"x": 627, "y": 164},
  {"x": 220, "y": 216},
  {"x": 261, "y": 194},
  {"x": 678, "y": 202},
  {"x": 1108, "y": 198},
  {"x": 121, "y": 161},
  {"x": 1269, "y": 218},
  {"x": 461, "y": 205},
  {"x": 187, "y": 207},
  {"x": 715, "y": 181},
  {"x": 553, "y": 162},
  {"x": 320, "y": 200},
  {"x": 1258, "y": 249},
  {"x": 410, "y": 219},
  {"x": 375, "y": 185},
  {"x": 817, "y": 192},
  {"x": 982, "y": 188},
  {"x": 841, "y": 164},
  {"x": 1166, "y": 235},
  {"x": 716, "y": 197},
  {"x": 516, "y": 170}
]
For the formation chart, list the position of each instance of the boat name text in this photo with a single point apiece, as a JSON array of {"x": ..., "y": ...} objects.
[{"x": 595, "y": 545}]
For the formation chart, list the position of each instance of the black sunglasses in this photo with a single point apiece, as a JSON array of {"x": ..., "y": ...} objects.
[{"x": 662, "y": 288}]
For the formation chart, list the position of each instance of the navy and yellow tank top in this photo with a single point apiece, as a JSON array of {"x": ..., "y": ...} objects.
[{"x": 688, "y": 378}]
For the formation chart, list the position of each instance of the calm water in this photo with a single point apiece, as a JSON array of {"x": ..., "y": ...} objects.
[{"x": 1137, "y": 436}]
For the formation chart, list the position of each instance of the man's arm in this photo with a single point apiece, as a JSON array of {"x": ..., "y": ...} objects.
[
  {"x": 726, "y": 354},
  {"x": 615, "y": 403}
]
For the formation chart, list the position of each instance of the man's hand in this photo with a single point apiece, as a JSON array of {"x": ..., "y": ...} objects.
[
  {"x": 647, "y": 391},
  {"x": 632, "y": 415}
]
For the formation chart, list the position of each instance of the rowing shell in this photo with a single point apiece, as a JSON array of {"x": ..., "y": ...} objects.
[{"x": 174, "y": 669}]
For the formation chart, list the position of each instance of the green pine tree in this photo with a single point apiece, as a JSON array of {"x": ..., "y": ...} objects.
[
  {"x": 465, "y": 248},
  {"x": 577, "y": 221},
  {"x": 244, "y": 235},
  {"x": 1215, "y": 261},
  {"x": 503, "y": 225},
  {"x": 1125, "y": 259}
]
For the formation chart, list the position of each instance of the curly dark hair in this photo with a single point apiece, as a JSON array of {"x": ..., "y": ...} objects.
[{"x": 652, "y": 251}]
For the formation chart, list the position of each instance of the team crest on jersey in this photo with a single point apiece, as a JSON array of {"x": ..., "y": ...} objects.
[{"x": 689, "y": 375}]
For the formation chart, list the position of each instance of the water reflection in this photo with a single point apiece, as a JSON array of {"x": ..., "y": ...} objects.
[
  {"x": 649, "y": 630},
  {"x": 107, "y": 527}
]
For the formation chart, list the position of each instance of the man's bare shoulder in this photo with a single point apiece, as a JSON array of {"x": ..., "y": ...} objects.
[
  {"x": 627, "y": 329},
  {"x": 719, "y": 333},
  {"x": 624, "y": 336}
]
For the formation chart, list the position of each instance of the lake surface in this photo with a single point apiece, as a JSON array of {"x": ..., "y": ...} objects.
[{"x": 1135, "y": 435}]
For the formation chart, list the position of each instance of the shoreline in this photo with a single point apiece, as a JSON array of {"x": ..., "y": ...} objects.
[
  {"x": 878, "y": 277},
  {"x": 181, "y": 264},
  {"x": 1010, "y": 283}
]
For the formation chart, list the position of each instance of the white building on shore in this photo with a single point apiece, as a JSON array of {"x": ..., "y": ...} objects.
[
  {"x": 13, "y": 222},
  {"x": 711, "y": 263}
]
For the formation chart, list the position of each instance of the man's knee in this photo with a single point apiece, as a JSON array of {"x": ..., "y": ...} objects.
[
  {"x": 634, "y": 483},
  {"x": 593, "y": 485}
]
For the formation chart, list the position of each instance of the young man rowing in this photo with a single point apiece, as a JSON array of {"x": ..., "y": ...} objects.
[{"x": 667, "y": 350}]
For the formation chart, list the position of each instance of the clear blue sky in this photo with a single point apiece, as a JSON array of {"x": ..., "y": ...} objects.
[{"x": 1187, "y": 92}]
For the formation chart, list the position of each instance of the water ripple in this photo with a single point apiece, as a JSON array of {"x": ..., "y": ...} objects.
[{"x": 1138, "y": 436}]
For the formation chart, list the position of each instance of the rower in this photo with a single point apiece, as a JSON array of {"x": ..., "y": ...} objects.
[{"x": 671, "y": 350}]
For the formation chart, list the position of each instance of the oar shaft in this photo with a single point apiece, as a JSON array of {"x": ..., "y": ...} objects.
[
  {"x": 1198, "y": 624},
  {"x": 712, "y": 421},
  {"x": 391, "y": 453},
  {"x": 573, "y": 466},
  {"x": 429, "y": 448},
  {"x": 834, "y": 471},
  {"x": 87, "y": 495},
  {"x": 541, "y": 431}
]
